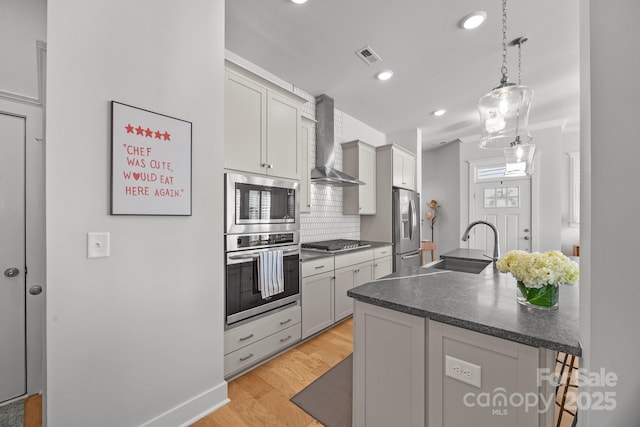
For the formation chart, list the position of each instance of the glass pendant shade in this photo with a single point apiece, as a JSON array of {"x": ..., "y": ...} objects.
[
  {"x": 519, "y": 159},
  {"x": 504, "y": 115}
]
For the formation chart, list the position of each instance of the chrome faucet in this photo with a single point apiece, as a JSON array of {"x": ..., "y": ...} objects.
[{"x": 496, "y": 248}]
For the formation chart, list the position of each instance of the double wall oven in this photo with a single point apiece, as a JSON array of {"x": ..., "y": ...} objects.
[{"x": 261, "y": 214}]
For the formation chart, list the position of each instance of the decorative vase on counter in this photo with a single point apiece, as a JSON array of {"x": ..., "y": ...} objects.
[
  {"x": 544, "y": 297},
  {"x": 539, "y": 276}
]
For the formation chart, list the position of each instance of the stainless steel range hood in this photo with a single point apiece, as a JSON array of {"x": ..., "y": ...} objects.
[{"x": 324, "y": 172}]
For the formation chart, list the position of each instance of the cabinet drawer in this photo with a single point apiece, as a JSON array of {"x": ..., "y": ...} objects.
[
  {"x": 253, "y": 353},
  {"x": 317, "y": 266},
  {"x": 382, "y": 252},
  {"x": 252, "y": 332},
  {"x": 355, "y": 257}
]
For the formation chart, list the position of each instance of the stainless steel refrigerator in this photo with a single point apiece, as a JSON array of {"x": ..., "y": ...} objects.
[{"x": 406, "y": 229}]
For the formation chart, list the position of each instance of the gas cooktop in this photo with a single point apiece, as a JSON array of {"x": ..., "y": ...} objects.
[{"x": 336, "y": 245}]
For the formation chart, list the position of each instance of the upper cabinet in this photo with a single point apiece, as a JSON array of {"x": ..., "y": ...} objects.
[
  {"x": 307, "y": 132},
  {"x": 359, "y": 160},
  {"x": 262, "y": 126},
  {"x": 404, "y": 168}
]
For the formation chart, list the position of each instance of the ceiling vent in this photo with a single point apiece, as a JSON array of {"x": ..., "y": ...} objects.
[{"x": 368, "y": 55}]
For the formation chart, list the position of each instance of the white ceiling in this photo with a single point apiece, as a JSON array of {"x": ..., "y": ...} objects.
[{"x": 436, "y": 63}]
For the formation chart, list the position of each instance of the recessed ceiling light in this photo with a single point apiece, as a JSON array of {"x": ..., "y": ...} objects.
[
  {"x": 439, "y": 112},
  {"x": 299, "y": 1},
  {"x": 384, "y": 75},
  {"x": 473, "y": 20}
]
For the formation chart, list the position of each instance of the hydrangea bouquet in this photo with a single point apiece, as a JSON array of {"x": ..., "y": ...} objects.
[{"x": 539, "y": 275}]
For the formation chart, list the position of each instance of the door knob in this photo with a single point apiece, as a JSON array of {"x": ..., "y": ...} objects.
[
  {"x": 11, "y": 272},
  {"x": 526, "y": 237},
  {"x": 35, "y": 290}
]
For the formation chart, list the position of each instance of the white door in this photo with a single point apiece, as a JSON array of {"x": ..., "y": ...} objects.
[
  {"x": 507, "y": 205},
  {"x": 12, "y": 257}
]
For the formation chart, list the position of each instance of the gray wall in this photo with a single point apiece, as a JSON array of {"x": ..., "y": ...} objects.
[
  {"x": 136, "y": 338},
  {"x": 441, "y": 182},
  {"x": 609, "y": 291}
]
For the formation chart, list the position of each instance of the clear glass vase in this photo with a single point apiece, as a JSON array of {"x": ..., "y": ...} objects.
[{"x": 545, "y": 298}]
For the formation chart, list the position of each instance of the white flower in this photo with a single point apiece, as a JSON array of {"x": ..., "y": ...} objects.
[{"x": 539, "y": 269}]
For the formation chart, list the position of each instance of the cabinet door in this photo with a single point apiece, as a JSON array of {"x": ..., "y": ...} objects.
[
  {"x": 244, "y": 124},
  {"x": 282, "y": 137},
  {"x": 382, "y": 267},
  {"x": 344, "y": 280},
  {"x": 389, "y": 368},
  {"x": 364, "y": 273},
  {"x": 398, "y": 179},
  {"x": 317, "y": 303},
  {"x": 409, "y": 171},
  {"x": 307, "y": 128},
  {"x": 367, "y": 171}
]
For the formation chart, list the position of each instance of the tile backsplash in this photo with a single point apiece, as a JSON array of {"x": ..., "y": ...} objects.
[{"x": 326, "y": 220}]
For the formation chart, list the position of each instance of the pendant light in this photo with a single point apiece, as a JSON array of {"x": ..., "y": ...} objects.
[
  {"x": 504, "y": 112},
  {"x": 519, "y": 155}
]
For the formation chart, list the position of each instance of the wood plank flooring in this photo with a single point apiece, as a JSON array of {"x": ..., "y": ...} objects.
[{"x": 261, "y": 396}]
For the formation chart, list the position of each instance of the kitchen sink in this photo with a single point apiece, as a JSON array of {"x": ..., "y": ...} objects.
[{"x": 474, "y": 266}]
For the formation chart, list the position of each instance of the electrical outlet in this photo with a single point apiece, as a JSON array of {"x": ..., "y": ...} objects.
[{"x": 463, "y": 371}]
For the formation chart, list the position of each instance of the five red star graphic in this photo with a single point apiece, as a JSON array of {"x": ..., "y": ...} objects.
[{"x": 148, "y": 132}]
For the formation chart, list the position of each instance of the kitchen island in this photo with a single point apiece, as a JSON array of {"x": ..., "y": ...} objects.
[{"x": 440, "y": 348}]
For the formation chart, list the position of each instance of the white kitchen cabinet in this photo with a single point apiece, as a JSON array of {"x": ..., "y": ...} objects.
[
  {"x": 353, "y": 269},
  {"x": 404, "y": 168},
  {"x": 307, "y": 135},
  {"x": 245, "y": 104},
  {"x": 395, "y": 167},
  {"x": 262, "y": 126},
  {"x": 317, "y": 303},
  {"x": 382, "y": 261},
  {"x": 317, "y": 295},
  {"x": 389, "y": 368},
  {"x": 506, "y": 368},
  {"x": 253, "y": 341},
  {"x": 359, "y": 161}
]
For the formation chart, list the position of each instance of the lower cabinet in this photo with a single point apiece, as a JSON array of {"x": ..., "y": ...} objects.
[
  {"x": 254, "y": 341},
  {"x": 317, "y": 301},
  {"x": 504, "y": 372},
  {"x": 413, "y": 371},
  {"x": 347, "y": 278},
  {"x": 389, "y": 368}
]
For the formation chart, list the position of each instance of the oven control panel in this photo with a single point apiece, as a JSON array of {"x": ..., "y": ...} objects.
[{"x": 250, "y": 241}]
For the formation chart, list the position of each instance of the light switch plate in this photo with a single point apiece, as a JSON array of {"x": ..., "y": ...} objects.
[
  {"x": 463, "y": 371},
  {"x": 98, "y": 245}
]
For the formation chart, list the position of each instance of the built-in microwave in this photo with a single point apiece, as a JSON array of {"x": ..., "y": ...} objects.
[{"x": 259, "y": 204}]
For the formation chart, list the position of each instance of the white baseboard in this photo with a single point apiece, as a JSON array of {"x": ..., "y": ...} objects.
[{"x": 193, "y": 409}]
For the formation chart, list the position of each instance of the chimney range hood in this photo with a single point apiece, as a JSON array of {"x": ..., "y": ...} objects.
[{"x": 324, "y": 172}]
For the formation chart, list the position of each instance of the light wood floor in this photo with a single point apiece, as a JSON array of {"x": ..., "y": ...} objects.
[{"x": 261, "y": 397}]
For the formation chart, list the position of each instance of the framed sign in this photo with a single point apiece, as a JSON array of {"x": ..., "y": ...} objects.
[{"x": 150, "y": 163}]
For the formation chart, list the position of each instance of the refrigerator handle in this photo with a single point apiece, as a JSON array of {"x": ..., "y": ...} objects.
[{"x": 414, "y": 220}]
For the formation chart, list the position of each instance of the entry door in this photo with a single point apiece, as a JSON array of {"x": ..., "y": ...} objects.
[
  {"x": 12, "y": 258},
  {"x": 507, "y": 205}
]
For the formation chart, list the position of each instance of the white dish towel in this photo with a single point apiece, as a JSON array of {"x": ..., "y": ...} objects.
[{"x": 270, "y": 273}]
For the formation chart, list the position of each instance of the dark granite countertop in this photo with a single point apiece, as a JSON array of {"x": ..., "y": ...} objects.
[
  {"x": 484, "y": 302},
  {"x": 308, "y": 255}
]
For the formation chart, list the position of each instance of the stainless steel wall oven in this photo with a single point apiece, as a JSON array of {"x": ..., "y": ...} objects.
[
  {"x": 243, "y": 297},
  {"x": 261, "y": 215}
]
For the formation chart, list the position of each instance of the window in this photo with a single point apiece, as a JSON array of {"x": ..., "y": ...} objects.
[
  {"x": 574, "y": 189},
  {"x": 490, "y": 172},
  {"x": 502, "y": 197}
]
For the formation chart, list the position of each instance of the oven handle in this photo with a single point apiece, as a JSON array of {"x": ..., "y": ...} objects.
[{"x": 256, "y": 255}]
